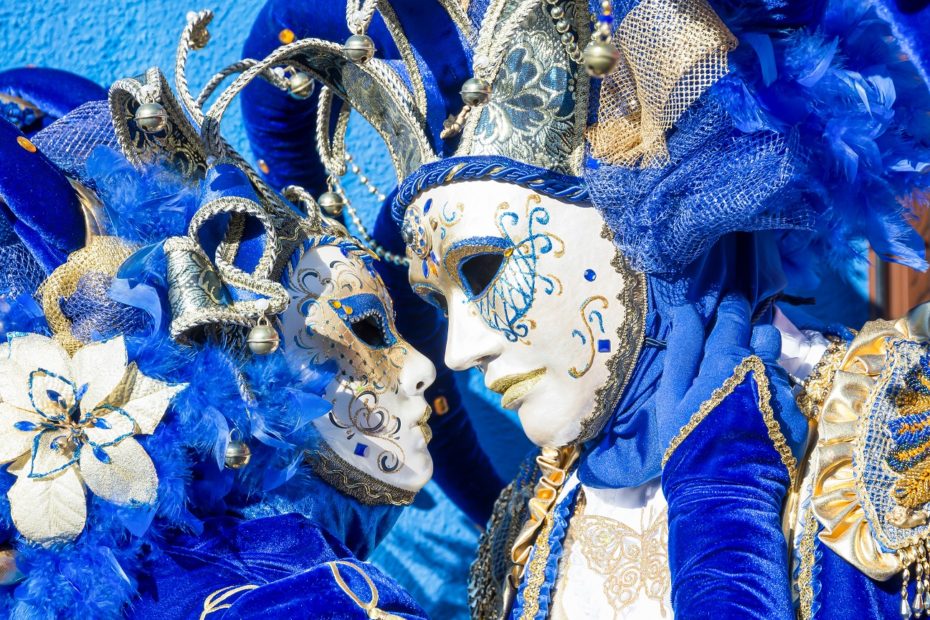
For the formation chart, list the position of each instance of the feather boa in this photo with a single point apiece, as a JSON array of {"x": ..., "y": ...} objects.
[
  {"x": 841, "y": 87},
  {"x": 98, "y": 574}
]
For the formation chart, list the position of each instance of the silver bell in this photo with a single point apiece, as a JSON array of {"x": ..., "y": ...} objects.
[
  {"x": 600, "y": 58},
  {"x": 331, "y": 203},
  {"x": 151, "y": 117},
  {"x": 300, "y": 85},
  {"x": 238, "y": 454},
  {"x": 475, "y": 92},
  {"x": 359, "y": 48},
  {"x": 263, "y": 338}
]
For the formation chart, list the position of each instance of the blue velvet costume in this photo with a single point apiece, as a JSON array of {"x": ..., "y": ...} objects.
[{"x": 721, "y": 229}]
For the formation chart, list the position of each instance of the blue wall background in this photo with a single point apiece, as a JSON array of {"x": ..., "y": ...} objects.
[{"x": 104, "y": 40}]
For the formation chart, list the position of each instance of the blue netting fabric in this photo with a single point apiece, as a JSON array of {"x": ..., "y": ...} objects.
[
  {"x": 20, "y": 273},
  {"x": 94, "y": 316},
  {"x": 717, "y": 181},
  {"x": 70, "y": 140}
]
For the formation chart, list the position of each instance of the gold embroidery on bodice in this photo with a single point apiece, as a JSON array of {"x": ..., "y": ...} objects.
[{"x": 633, "y": 563}]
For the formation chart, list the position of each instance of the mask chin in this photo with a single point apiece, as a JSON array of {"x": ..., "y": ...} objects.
[{"x": 368, "y": 490}]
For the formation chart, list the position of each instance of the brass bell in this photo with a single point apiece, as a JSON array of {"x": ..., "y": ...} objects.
[
  {"x": 359, "y": 48},
  {"x": 300, "y": 85},
  {"x": 263, "y": 338},
  {"x": 151, "y": 117},
  {"x": 331, "y": 203},
  {"x": 600, "y": 58},
  {"x": 475, "y": 92},
  {"x": 237, "y": 454}
]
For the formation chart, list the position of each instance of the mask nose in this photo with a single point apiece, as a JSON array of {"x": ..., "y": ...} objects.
[
  {"x": 471, "y": 343},
  {"x": 417, "y": 374}
]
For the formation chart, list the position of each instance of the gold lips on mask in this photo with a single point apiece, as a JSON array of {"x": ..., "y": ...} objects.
[
  {"x": 422, "y": 423},
  {"x": 514, "y": 387}
]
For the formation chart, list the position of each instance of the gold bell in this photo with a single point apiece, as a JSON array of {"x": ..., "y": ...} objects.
[
  {"x": 151, "y": 117},
  {"x": 331, "y": 203},
  {"x": 600, "y": 58},
  {"x": 237, "y": 454},
  {"x": 300, "y": 85},
  {"x": 263, "y": 338},
  {"x": 359, "y": 48},
  {"x": 475, "y": 92}
]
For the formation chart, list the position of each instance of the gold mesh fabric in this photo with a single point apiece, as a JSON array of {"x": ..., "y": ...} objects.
[
  {"x": 103, "y": 255},
  {"x": 671, "y": 52}
]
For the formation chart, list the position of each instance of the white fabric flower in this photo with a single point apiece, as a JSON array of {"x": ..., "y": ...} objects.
[{"x": 67, "y": 422}]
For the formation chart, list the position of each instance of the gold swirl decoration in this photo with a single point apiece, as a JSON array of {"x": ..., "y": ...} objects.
[{"x": 851, "y": 526}]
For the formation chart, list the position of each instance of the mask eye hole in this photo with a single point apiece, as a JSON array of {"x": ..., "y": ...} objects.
[
  {"x": 367, "y": 317},
  {"x": 369, "y": 330},
  {"x": 478, "y": 271},
  {"x": 432, "y": 297}
]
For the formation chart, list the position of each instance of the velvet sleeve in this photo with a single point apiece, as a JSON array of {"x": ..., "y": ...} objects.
[
  {"x": 725, "y": 479},
  {"x": 462, "y": 469}
]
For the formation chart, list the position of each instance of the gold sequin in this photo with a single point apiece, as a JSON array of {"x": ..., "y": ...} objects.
[
  {"x": 440, "y": 405},
  {"x": 263, "y": 166},
  {"x": 818, "y": 383},
  {"x": 26, "y": 144},
  {"x": 285, "y": 36}
]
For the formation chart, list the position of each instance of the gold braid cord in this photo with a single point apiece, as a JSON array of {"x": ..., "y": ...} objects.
[
  {"x": 756, "y": 366},
  {"x": 817, "y": 385},
  {"x": 671, "y": 52}
]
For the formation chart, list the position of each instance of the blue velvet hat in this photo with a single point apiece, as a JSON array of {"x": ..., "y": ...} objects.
[{"x": 42, "y": 218}]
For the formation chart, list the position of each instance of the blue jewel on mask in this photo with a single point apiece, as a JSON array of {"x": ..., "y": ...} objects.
[{"x": 361, "y": 449}]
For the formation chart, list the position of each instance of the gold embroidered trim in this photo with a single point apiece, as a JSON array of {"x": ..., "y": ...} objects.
[
  {"x": 755, "y": 365},
  {"x": 806, "y": 571},
  {"x": 631, "y": 334},
  {"x": 537, "y": 570},
  {"x": 217, "y": 600},
  {"x": 371, "y": 607},
  {"x": 339, "y": 474},
  {"x": 817, "y": 385}
]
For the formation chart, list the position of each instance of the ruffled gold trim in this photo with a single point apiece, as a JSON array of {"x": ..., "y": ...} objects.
[
  {"x": 554, "y": 466},
  {"x": 838, "y": 486},
  {"x": 755, "y": 365}
]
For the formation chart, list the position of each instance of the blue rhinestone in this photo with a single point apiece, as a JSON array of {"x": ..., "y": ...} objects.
[
  {"x": 589, "y": 275},
  {"x": 425, "y": 270},
  {"x": 361, "y": 449},
  {"x": 428, "y": 205},
  {"x": 603, "y": 346}
]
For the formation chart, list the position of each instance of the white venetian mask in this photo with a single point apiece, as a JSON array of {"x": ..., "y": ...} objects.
[
  {"x": 376, "y": 435},
  {"x": 537, "y": 298}
]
